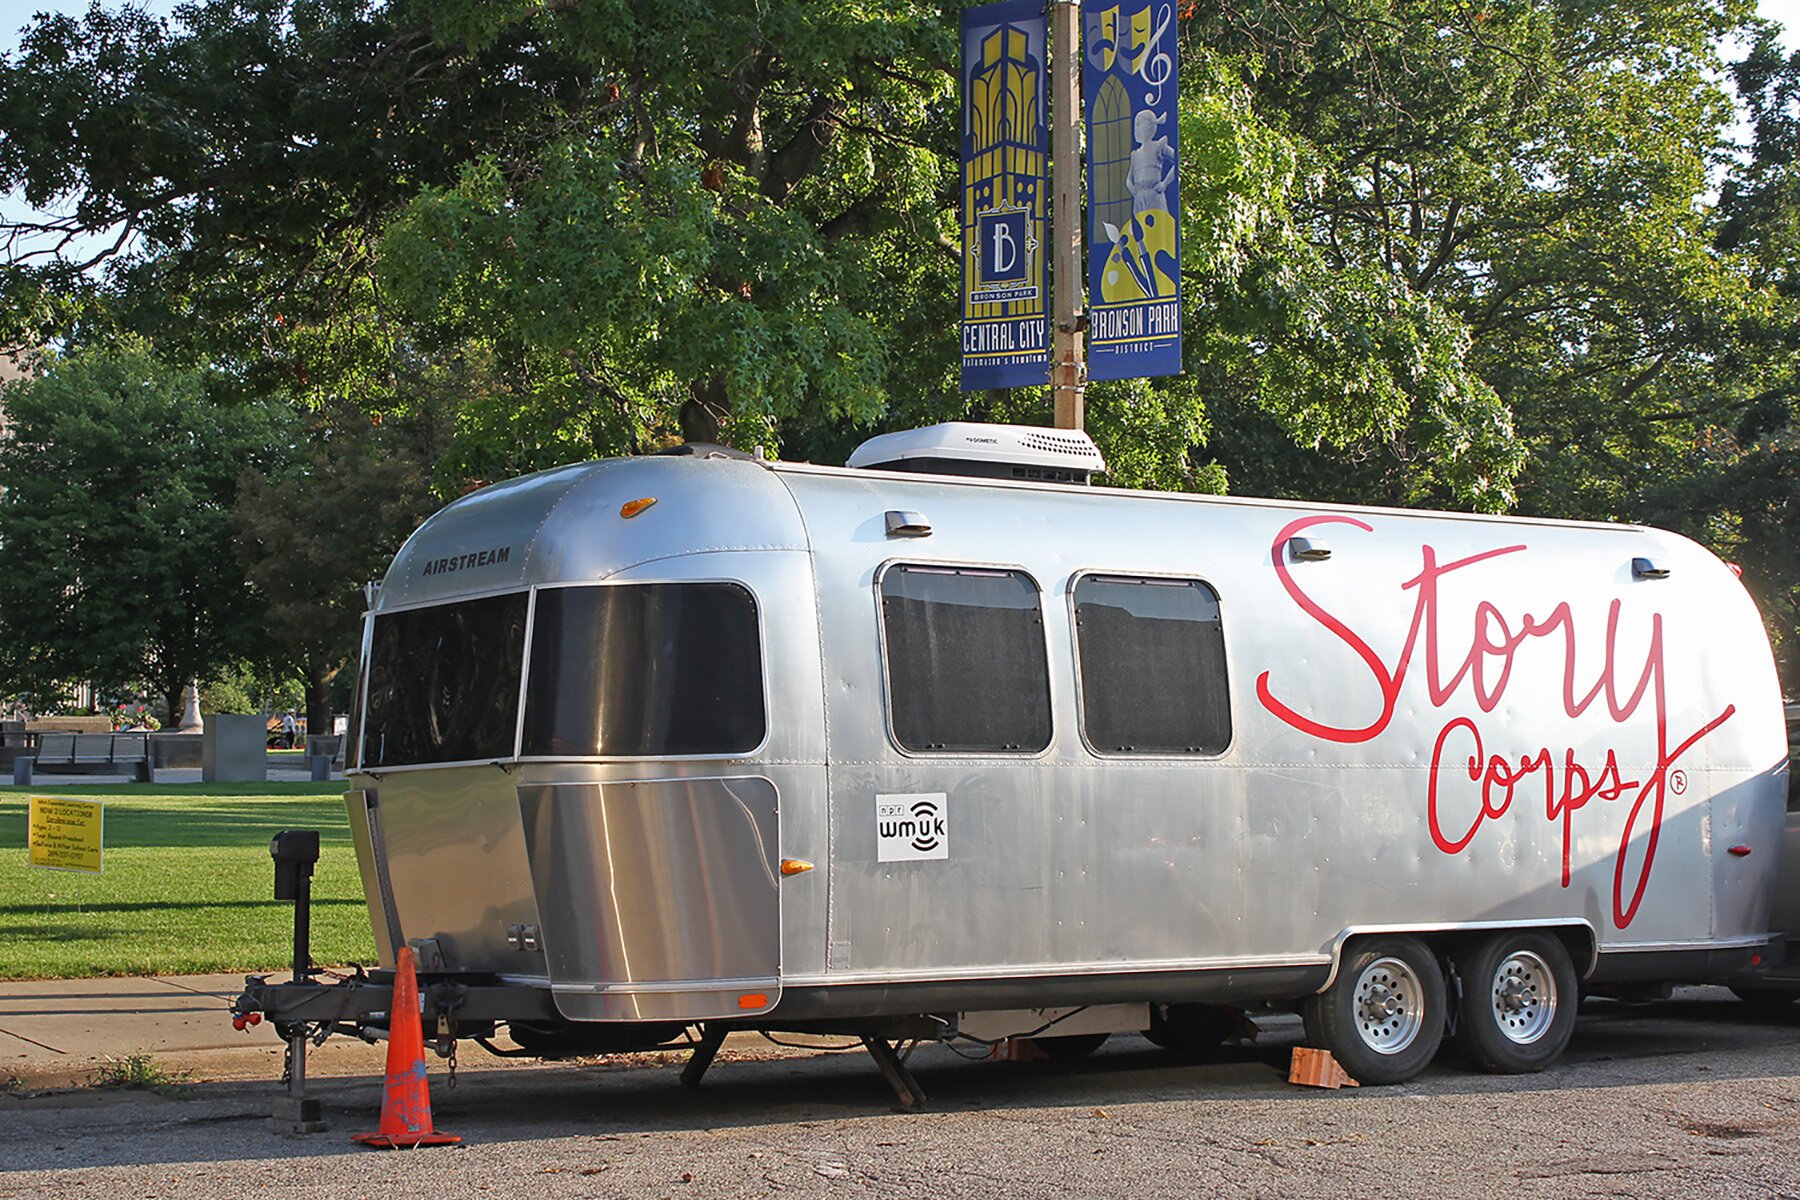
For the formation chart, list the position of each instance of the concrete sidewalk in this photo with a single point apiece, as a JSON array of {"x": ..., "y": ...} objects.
[
  {"x": 63, "y": 1033},
  {"x": 56, "y": 1033}
]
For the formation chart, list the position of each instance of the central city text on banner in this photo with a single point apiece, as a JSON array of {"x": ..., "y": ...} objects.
[
  {"x": 1134, "y": 194},
  {"x": 1005, "y": 158}
]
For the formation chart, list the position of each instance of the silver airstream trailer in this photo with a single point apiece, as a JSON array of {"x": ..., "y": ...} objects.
[{"x": 944, "y": 741}]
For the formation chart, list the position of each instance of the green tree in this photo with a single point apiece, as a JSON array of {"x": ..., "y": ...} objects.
[
  {"x": 327, "y": 519},
  {"x": 775, "y": 244},
  {"x": 705, "y": 243},
  {"x": 240, "y": 161},
  {"x": 117, "y": 476},
  {"x": 1436, "y": 253},
  {"x": 248, "y": 686},
  {"x": 650, "y": 221},
  {"x": 1532, "y": 180},
  {"x": 1739, "y": 489}
]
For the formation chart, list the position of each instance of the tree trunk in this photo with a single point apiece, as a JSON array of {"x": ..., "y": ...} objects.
[
  {"x": 319, "y": 674},
  {"x": 704, "y": 410}
]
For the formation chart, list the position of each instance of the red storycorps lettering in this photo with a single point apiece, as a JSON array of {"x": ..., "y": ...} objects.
[{"x": 1480, "y": 658}]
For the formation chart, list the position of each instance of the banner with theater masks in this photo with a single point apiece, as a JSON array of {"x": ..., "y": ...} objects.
[
  {"x": 1134, "y": 194},
  {"x": 1005, "y": 172}
]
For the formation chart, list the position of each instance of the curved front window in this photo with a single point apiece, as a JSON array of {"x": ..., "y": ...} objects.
[{"x": 636, "y": 670}]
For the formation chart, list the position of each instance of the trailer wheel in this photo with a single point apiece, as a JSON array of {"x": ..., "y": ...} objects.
[
  {"x": 1383, "y": 1018},
  {"x": 1518, "y": 1003}
]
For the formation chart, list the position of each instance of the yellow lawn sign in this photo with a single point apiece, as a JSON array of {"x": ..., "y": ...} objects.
[{"x": 66, "y": 835}]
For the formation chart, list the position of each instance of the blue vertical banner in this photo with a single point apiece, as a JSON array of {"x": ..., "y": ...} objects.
[
  {"x": 1134, "y": 194},
  {"x": 1005, "y": 171}
]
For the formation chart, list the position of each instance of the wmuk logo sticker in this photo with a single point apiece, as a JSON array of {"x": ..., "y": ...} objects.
[{"x": 909, "y": 828}]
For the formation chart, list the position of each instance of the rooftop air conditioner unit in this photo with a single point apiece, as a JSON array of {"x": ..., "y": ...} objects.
[{"x": 1025, "y": 452}]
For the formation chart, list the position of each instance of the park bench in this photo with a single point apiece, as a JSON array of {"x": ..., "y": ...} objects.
[{"x": 94, "y": 754}]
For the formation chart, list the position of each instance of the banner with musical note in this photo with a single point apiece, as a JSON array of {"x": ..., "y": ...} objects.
[{"x": 1134, "y": 193}]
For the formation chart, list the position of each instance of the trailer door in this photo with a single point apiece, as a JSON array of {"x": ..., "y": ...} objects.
[
  {"x": 658, "y": 899},
  {"x": 657, "y": 892}
]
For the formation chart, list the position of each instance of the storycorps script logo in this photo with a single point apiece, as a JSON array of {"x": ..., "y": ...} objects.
[{"x": 1476, "y": 776}]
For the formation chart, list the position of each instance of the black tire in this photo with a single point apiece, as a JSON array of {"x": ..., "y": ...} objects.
[
  {"x": 1071, "y": 1045},
  {"x": 1383, "y": 1017},
  {"x": 1519, "y": 996},
  {"x": 1766, "y": 997}
]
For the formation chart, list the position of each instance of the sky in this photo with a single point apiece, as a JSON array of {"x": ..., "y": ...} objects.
[
  {"x": 16, "y": 13},
  {"x": 1785, "y": 12}
]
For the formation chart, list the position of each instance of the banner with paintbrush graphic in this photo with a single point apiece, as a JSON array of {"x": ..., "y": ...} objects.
[{"x": 1134, "y": 195}]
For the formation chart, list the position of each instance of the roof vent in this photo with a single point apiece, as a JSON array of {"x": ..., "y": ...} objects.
[{"x": 1024, "y": 452}]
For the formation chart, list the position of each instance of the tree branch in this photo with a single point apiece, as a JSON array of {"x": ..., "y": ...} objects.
[{"x": 818, "y": 130}]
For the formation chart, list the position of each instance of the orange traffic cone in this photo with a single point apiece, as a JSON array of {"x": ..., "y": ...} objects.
[{"x": 405, "y": 1100}]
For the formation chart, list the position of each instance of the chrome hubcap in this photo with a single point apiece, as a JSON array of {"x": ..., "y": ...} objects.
[
  {"x": 1524, "y": 997},
  {"x": 1388, "y": 1004}
]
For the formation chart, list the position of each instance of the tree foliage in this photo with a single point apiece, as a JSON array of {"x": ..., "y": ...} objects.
[
  {"x": 718, "y": 235},
  {"x": 1737, "y": 486},
  {"x": 306, "y": 559},
  {"x": 240, "y": 163},
  {"x": 117, "y": 477},
  {"x": 1512, "y": 198},
  {"x": 1471, "y": 255}
]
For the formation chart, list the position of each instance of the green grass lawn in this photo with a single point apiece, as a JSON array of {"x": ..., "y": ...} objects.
[{"x": 188, "y": 884}]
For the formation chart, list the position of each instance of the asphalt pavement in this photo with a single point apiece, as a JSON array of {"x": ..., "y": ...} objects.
[{"x": 1698, "y": 1096}]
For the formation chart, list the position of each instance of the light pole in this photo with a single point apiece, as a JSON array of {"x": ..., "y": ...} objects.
[{"x": 1068, "y": 370}]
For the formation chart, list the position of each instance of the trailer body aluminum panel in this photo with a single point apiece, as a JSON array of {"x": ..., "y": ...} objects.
[
  {"x": 1448, "y": 722},
  {"x": 660, "y": 899}
]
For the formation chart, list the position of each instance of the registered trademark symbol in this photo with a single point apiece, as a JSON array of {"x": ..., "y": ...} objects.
[{"x": 1678, "y": 782}]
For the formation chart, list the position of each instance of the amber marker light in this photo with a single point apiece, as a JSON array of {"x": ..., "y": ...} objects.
[
  {"x": 795, "y": 866},
  {"x": 632, "y": 508},
  {"x": 753, "y": 1000}
]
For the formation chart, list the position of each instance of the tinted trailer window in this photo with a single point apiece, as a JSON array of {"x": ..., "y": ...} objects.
[
  {"x": 444, "y": 683},
  {"x": 1152, "y": 666},
  {"x": 650, "y": 670},
  {"x": 966, "y": 666}
]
